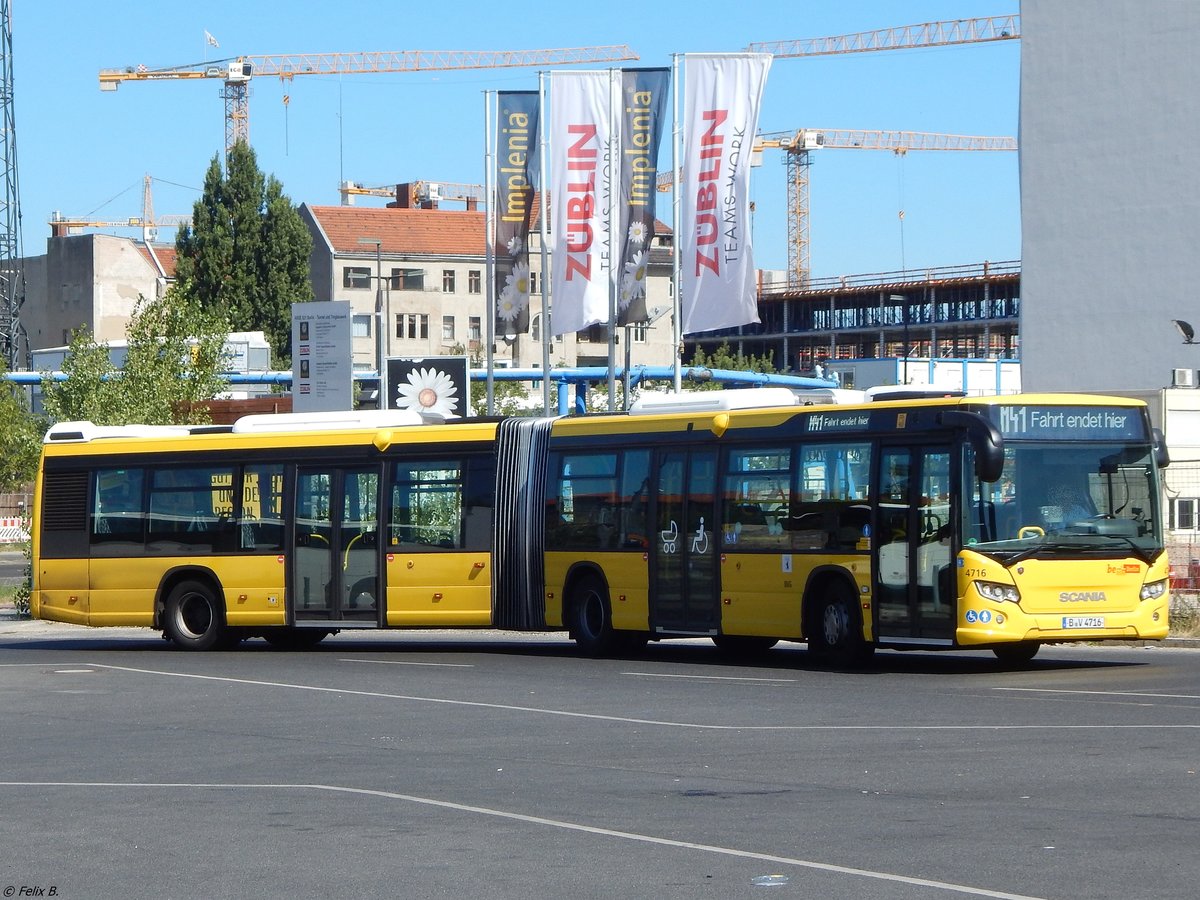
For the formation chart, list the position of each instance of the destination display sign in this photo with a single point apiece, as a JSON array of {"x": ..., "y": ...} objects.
[{"x": 1079, "y": 423}]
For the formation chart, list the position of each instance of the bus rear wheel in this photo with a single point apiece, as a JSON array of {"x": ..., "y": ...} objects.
[
  {"x": 834, "y": 628},
  {"x": 590, "y": 617},
  {"x": 193, "y": 618}
]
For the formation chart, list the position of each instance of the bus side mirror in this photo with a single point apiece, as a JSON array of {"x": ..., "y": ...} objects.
[
  {"x": 984, "y": 438},
  {"x": 1161, "y": 457}
]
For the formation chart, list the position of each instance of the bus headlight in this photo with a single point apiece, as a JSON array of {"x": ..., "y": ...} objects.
[
  {"x": 998, "y": 593},
  {"x": 1154, "y": 589}
]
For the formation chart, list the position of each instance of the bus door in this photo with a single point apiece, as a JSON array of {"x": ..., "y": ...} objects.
[
  {"x": 683, "y": 591},
  {"x": 914, "y": 555},
  {"x": 335, "y": 545}
]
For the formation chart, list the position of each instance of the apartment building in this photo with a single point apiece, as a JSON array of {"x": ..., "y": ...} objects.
[{"x": 425, "y": 267}]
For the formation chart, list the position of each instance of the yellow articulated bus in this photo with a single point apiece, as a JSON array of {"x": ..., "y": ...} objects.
[{"x": 749, "y": 517}]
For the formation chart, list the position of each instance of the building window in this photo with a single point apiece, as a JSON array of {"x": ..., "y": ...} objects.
[
  {"x": 638, "y": 332},
  {"x": 360, "y": 327},
  {"x": 447, "y": 281},
  {"x": 1183, "y": 514},
  {"x": 408, "y": 279},
  {"x": 448, "y": 329},
  {"x": 474, "y": 282},
  {"x": 414, "y": 326},
  {"x": 473, "y": 329},
  {"x": 533, "y": 282},
  {"x": 356, "y": 277}
]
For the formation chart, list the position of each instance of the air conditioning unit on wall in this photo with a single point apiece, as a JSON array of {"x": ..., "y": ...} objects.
[{"x": 1183, "y": 378}]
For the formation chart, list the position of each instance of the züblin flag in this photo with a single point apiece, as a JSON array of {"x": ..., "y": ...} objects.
[
  {"x": 722, "y": 96},
  {"x": 643, "y": 104},
  {"x": 581, "y": 136},
  {"x": 516, "y": 176}
]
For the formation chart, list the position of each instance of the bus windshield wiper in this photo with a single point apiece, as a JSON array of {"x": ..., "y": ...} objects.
[
  {"x": 1139, "y": 551},
  {"x": 1037, "y": 548}
]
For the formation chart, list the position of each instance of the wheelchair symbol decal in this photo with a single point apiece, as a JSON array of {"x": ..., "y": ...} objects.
[{"x": 700, "y": 541}]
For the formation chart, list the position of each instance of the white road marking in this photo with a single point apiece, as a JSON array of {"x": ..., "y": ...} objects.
[
  {"x": 571, "y": 714},
  {"x": 555, "y": 823},
  {"x": 1101, "y": 693},
  {"x": 709, "y": 677},
  {"x": 404, "y": 662}
]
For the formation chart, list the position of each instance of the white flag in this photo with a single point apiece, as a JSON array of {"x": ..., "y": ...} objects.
[
  {"x": 210, "y": 40},
  {"x": 722, "y": 96},
  {"x": 581, "y": 130}
]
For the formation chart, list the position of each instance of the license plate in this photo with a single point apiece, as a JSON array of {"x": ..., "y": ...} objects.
[{"x": 1083, "y": 621}]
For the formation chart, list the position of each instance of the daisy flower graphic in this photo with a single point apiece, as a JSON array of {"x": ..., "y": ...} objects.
[
  {"x": 515, "y": 245},
  {"x": 635, "y": 271},
  {"x": 510, "y": 304},
  {"x": 637, "y": 232},
  {"x": 428, "y": 390},
  {"x": 518, "y": 281},
  {"x": 626, "y": 294}
]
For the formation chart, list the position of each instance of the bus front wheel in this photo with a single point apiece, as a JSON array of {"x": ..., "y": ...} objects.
[
  {"x": 1018, "y": 653},
  {"x": 590, "y": 618},
  {"x": 192, "y": 616},
  {"x": 834, "y": 628}
]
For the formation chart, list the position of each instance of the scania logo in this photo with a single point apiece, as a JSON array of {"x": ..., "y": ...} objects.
[{"x": 1081, "y": 596}]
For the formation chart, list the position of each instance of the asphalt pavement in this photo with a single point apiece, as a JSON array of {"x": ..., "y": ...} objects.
[{"x": 462, "y": 763}]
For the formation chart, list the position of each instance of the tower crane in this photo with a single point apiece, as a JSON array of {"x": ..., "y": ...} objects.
[
  {"x": 237, "y": 72},
  {"x": 799, "y": 143},
  {"x": 61, "y": 225}
]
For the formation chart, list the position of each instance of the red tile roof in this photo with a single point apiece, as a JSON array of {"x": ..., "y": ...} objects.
[
  {"x": 433, "y": 232},
  {"x": 413, "y": 231}
]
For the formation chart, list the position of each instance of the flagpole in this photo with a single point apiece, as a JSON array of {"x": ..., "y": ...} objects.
[
  {"x": 676, "y": 260},
  {"x": 489, "y": 249},
  {"x": 613, "y": 254},
  {"x": 544, "y": 233}
]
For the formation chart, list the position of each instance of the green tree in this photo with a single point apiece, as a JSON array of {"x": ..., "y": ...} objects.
[
  {"x": 173, "y": 362},
  {"x": 724, "y": 358},
  {"x": 20, "y": 437},
  {"x": 247, "y": 251}
]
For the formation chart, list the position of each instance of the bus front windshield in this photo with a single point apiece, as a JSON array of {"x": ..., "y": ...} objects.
[{"x": 1055, "y": 499}]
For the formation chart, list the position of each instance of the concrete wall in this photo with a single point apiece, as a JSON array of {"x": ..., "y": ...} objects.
[
  {"x": 86, "y": 280},
  {"x": 1110, "y": 211}
]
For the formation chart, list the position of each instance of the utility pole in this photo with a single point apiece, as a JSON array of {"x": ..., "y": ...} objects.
[
  {"x": 380, "y": 348},
  {"x": 12, "y": 273}
]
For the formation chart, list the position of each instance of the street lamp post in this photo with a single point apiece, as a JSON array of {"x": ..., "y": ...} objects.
[{"x": 380, "y": 350}]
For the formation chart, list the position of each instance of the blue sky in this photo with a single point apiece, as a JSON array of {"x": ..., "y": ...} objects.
[{"x": 85, "y": 153}]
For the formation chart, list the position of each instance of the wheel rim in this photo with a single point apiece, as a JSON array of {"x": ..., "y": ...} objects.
[
  {"x": 835, "y": 624},
  {"x": 194, "y": 616}
]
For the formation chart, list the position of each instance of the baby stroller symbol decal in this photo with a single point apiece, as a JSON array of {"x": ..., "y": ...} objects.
[{"x": 670, "y": 538}]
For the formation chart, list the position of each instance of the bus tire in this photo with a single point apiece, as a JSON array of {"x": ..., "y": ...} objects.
[
  {"x": 193, "y": 618},
  {"x": 590, "y": 617},
  {"x": 1017, "y": 653},
  {"x": 834, "y": 626}
]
